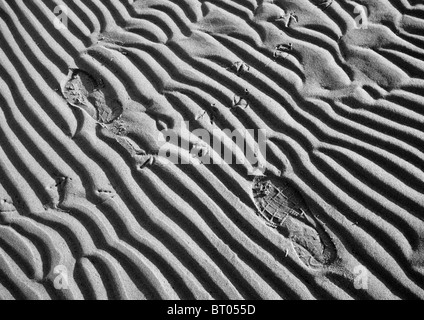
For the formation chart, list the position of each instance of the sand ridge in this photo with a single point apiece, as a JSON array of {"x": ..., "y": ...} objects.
[{"x": 342, "y": 107}]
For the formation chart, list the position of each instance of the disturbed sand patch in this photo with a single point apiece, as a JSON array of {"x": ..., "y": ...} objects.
[
  {"x": 343, "y": 107},
  {"x": 83, "y": 91},
  {"x": 283, "y": 208}
]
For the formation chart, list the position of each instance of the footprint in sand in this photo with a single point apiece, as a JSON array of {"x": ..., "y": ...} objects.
[
  {"x": 128, "y": 123},
  {"x": 83, "y": 91},
  {"x": 283, "y": 208}
]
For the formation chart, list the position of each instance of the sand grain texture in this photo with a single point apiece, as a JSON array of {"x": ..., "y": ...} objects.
[{"x": 83, "y": 186}]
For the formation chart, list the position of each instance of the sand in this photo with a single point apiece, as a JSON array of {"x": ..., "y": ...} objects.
[{"x": 90, "y": 208}]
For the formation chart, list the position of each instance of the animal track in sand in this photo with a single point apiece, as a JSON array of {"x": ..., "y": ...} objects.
[
  {"x": 239, "y": 68},
  {"x": 6, "y": 206},
  {"x": 287, "y": 19},
  {"x": 240, "y": 102},
  {"x": 323, "y": 4}
]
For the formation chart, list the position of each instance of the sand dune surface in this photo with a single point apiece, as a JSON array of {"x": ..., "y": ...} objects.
[{"x": 92, "y": 208}]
